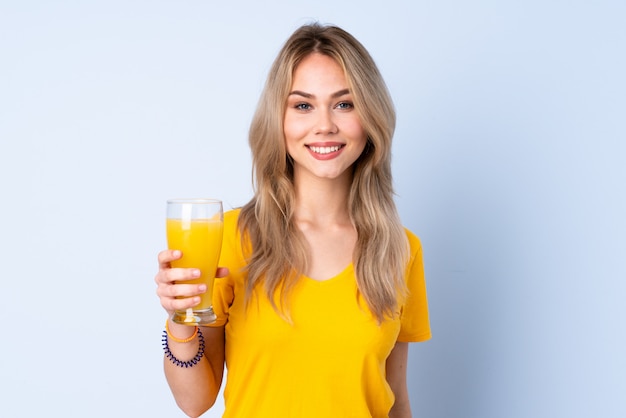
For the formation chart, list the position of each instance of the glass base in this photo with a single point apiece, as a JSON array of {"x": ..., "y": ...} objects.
[{"x": 193, "y": 317}]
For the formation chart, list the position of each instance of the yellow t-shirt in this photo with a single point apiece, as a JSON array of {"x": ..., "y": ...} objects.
[{"x": 330, "y": 362}]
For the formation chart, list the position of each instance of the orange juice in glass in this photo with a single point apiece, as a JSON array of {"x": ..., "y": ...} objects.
[{"x": 194, "y": 226}]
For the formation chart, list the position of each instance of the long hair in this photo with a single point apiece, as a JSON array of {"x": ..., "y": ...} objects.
[{"x": 278, "y": 250}]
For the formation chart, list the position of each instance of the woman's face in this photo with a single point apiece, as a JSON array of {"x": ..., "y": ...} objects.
[{"x": 323, "y": 131}]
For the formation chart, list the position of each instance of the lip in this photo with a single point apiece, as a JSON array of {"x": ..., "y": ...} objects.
[{"x": 325, "y": 150}]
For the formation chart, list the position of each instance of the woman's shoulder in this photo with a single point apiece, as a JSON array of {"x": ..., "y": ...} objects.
[
  {"x": 231, "y": 227},
  {"x": 232, "y": 246},
  {"x": 231, "y": 216},
  {"x": 415, "y": 244}
]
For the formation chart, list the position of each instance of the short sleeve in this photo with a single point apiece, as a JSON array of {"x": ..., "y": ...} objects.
[
  {"x": 414, "y": 319},
  {"x": 231, "y": 257},
  {"x": 222, "y": 299}
]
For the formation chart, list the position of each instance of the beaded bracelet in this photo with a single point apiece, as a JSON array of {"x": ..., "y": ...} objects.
[
  {"x": 178, "y": 340},
  {"x": 181, "y": 363}
]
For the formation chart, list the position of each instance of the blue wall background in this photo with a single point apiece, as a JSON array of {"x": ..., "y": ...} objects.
[{"x": 509, "y": 163}]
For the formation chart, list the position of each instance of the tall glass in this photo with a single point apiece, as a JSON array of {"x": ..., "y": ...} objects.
[{"x": 194, "y": 226}]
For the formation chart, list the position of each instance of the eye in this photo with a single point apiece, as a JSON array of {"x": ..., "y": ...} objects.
[
  {"x": 302, "y": 106},
  {"x": 345, "y": 105}
]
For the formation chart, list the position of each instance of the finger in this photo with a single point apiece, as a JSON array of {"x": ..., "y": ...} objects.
[
  {"x": 181, "y": 290},
  {"x": 172, "y": 304},
  {"x": 222, "y": 272},
  {"x": 170, "y": 275},
  {"x": 167, "y": 256}
]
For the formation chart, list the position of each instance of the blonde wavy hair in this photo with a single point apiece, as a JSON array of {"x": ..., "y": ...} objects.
[{"x": 277, "y": 255}]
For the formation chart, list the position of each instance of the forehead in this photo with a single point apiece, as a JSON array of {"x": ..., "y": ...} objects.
[{"x": 318, "y": 70}]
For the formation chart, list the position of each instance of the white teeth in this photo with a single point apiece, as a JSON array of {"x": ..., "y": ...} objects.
[{"x": 325, "y": 150}]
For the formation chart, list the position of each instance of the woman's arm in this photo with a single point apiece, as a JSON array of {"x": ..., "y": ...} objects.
[
  {"x": 194, "y": 388},
  {"x": 396, "y": 377}
]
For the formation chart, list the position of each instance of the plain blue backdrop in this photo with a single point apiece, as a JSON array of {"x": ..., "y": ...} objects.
[{"x": 509, "y": 163}]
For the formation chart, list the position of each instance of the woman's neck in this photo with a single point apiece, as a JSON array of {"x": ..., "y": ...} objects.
[{"x": 322, "y": 201}]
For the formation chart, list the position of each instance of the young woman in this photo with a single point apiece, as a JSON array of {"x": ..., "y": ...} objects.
[{"x": 321, "y": 287}]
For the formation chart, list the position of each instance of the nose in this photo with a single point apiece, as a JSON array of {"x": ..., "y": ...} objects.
[{"x": 325, "y": 123}]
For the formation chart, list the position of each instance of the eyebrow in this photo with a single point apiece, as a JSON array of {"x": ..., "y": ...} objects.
[{"x": 310, "y": 96}]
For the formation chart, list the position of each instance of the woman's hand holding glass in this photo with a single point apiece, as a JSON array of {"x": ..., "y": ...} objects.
[{"x": 173, "y": 291}]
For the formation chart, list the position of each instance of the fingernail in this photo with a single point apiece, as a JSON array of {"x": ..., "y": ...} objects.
[
  {"x": 196, "y": 273},
  {"x": 176, "y": 253},
  {"x": 202, "y": 288}
]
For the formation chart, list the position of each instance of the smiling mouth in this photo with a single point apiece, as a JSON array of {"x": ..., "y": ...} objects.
[{"x": 325, "y": 150}]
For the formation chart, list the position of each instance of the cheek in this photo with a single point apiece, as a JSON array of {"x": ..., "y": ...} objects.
[
  {"x": 351, "y": 124},
  {"x": 291, "y": 129},
  {"x": 356, "y": 132},
  {"x": 290, "y": 135}
]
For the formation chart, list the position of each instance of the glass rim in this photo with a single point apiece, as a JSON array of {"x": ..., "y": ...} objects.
[{"x": 194, "y": 200}]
